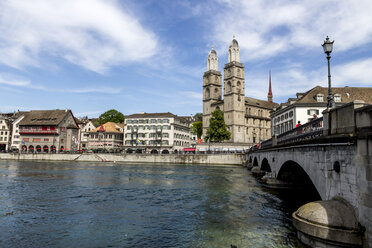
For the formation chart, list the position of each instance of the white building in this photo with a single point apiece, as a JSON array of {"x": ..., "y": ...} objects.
[
  {"x": 16, "y": 140},
  {"x": 156, "y": 133},
  {"x": 5, "y": 132},
  {"x": 84, "y": 135},
  {"x": 303, "y": 108}
]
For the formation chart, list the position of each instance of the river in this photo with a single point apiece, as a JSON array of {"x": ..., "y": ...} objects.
[{"x": 70, "y": 204}]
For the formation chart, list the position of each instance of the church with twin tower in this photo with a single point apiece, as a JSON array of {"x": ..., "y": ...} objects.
[{"x": 247, "y": 118}]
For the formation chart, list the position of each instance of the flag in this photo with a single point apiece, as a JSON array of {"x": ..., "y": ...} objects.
[
  {"x": 199, "y": 141},
  {"x": 138, "y": 141},
  {"x": 23, "y": 142}
]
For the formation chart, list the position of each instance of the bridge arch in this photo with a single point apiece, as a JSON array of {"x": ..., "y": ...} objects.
[
  {"x": 293, "y": 173},
  {"x": 255, "y": 161},
  {"x": 265, "y": 166}
]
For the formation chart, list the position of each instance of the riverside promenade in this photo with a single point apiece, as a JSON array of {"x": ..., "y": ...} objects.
[{"x": 213, "y": 159}]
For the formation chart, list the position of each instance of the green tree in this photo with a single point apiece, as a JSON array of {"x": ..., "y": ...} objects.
[
  {"x": 217, "y": 130},
  {"x": 198, "y": 117},
  {"x": 197, "y": 128},
  {"x": 111, "y": 115}
]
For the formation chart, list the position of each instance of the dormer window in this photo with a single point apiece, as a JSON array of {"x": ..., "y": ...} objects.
[
  {"x": 319, "y": 98},
  {"x": 337, "y": 97}
]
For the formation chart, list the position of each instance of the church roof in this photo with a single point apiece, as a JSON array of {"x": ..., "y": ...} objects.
[
  {"x": 260, "y": 103},
  {"x": 234, "y": 43}
]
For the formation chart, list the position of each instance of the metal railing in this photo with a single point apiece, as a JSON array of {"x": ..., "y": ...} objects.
[{"x": 309, "y": 130}]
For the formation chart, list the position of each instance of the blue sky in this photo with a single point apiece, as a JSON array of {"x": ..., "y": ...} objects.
[{"x": 150, "y": 55}]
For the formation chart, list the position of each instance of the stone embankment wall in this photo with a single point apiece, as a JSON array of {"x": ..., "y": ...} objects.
[{"x": 213, "y": 159}]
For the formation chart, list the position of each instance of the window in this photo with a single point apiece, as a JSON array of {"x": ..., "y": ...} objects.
[
  {"x": 207, "y": 93},
  {"x": 165, "y": 121},
  {"x": 153, "y": 121},
  {"x": 337, "y": 98},
  {"x": 46, "y": 139},
  {"x": 286, "y": 116},
  {"x": 44, "y": 128},
  {"x": 52, "y": 128},
  {"x": 291, "y": 114},
  {"x": 319, "y": 98},
  {"x": 36, "y": 140},
  {"x": 26, "y": 139},
  {"x": 312, "y": 112}
]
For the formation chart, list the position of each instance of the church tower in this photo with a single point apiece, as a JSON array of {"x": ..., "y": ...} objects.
[
  {"x": 234, "y": 96},
  {"x": 270, "y": 94},
  {"x": 212, "y": 88}
]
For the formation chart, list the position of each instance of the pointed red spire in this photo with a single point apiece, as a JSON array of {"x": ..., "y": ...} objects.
[{"x": 270, "y": 94}]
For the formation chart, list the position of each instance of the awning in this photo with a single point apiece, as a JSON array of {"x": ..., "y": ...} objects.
[{"x": 189, "y": 149}]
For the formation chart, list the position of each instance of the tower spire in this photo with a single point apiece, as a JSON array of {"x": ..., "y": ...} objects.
[{"x": 270, "y": 94}]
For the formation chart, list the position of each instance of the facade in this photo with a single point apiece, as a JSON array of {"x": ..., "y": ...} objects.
[
  {"x": 49, "y": 131},
  {"x": 312, "y": 103},
  {"x": 108, "y": 136},
  {"x": 16, "y": 137},
  {"x": 5, "y": 132},
  {"x": 156, "y": 133},
  {"x": 248, "y": 119},
  {"x": 84, "y": 130}
]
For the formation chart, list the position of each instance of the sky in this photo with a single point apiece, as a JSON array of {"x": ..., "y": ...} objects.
[{"x": 149, "y": 56}]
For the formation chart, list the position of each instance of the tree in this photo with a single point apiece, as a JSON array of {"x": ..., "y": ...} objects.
[
  {"x": 198, "y": 117},
  {"x": 217, "y": 130},
  {"x": 111, "y": 115},
  {"x": 197, "y": 128}
]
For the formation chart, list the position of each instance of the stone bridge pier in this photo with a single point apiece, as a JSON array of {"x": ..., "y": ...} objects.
[{"x": 337, "y": 166}]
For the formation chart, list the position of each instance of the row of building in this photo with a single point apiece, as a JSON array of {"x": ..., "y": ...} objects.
[
  {"x": 58, "y": 130},
  {"x": 249, "y": 120}
]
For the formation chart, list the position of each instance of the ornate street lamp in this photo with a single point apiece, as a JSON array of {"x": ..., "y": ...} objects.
[{"x": 327, "y": 46}]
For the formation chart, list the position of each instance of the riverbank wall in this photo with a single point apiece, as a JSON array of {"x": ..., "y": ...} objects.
[{"x": 212, "y": 159}]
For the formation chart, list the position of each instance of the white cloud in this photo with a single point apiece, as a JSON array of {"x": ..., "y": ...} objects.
[
  {"x": 355, "y": 73},
  {"x": 22, "y": 83},
  {"x": 265, "y": 28},
  {"x": 94, "y": 34},
  {"x": 13, "y": 81}
]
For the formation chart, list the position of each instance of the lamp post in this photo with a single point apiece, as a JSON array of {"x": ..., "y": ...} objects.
[{"x": 327, "y": 46}]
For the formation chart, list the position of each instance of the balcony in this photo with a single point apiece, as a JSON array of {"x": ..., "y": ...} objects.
[{"x": 38, "y": 131}]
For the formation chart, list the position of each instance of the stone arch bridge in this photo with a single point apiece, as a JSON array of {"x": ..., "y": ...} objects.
[{"x": 333, "y": 155}]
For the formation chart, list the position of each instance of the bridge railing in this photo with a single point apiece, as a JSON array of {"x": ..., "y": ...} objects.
[{"x": 309, "y": 130}]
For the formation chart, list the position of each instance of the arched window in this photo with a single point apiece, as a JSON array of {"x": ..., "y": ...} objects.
[
  {"x": 229, "y": 86},
  {"x": 238, "y": 73},
  {"x": 207, "y": 93}
]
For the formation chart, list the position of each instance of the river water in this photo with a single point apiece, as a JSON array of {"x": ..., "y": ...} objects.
[{"x": 70, "y": 204}]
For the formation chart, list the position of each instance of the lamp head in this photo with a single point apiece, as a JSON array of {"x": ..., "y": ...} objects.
[{"x": 328, "y": 46}]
